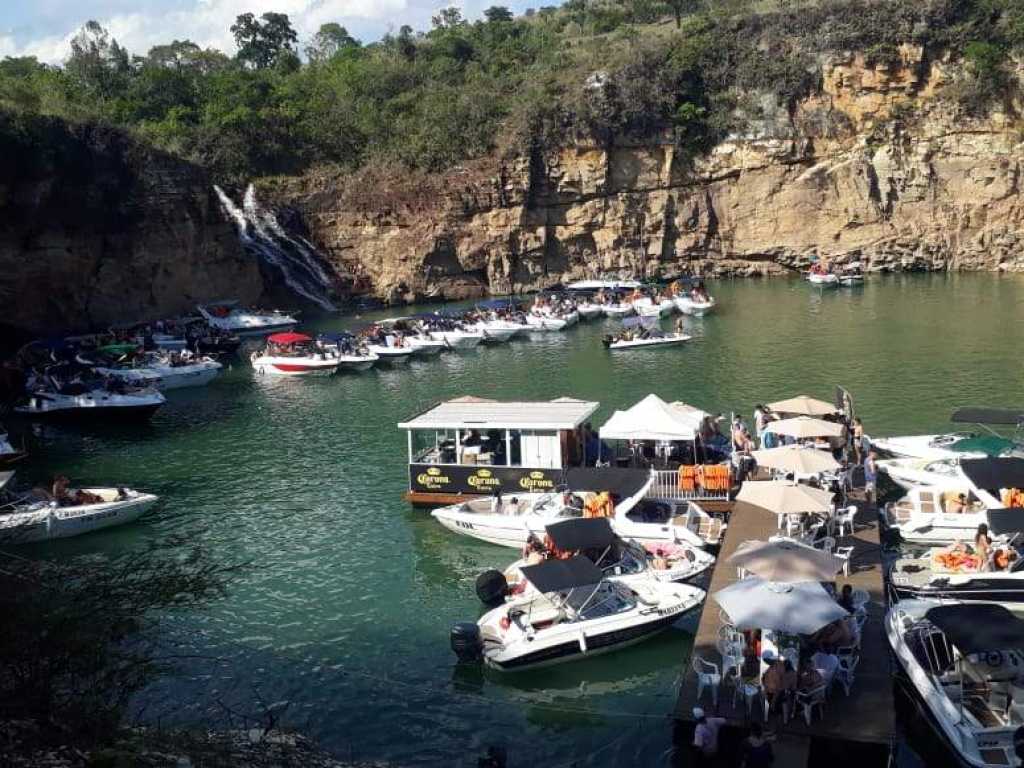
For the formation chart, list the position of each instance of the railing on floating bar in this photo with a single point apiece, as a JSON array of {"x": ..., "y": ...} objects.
[{"x": 666, "y": 486}]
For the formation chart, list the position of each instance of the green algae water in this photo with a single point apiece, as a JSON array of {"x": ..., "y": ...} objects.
[{"x": 346, "y": 608}]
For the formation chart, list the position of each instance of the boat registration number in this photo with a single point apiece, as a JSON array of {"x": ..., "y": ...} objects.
[{"x": 464, "y": 524}]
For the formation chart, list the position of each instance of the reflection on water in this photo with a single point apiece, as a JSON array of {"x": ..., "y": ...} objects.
[{"x": 347, "y": 607}]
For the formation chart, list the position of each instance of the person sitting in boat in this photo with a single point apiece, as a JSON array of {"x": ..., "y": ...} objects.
[
  {"x": 983, "y": 546},
  {"x": 957, "y": 505}
]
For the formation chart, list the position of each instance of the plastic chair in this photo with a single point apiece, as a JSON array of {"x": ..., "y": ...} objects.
[
  {"x": 844, "y": 520},
  {"x": 808, "y": 700},
  {"x": 844, "y": 554},
  {"x": 846, "y": 672},
  {"x": 828, "y": 544},
  {"x": 748, "y": 690},
  {"x": 860, "y": 599},
  {"x": 708, "y": 676}
]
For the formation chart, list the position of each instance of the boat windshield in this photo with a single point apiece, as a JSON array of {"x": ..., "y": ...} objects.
[{"x": 605, "y": 599}]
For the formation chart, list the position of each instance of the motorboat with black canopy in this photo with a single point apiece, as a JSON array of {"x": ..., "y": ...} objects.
[
  {"x": 511, "y": 519},
  {"x": 573, "y": 611},
  {"x": 595, "y": 539},
  {"x": 71, "y": 392},
  {"x": 643, "y": 332},
  {"x": 352, "y": 354},
  {"x": 957, "y": 445},
  {"x": 966, "y": 662},
  {"x": 1005, "y": 417}
]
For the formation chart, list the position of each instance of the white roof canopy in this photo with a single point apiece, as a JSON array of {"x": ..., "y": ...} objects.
[
  {"x": 476, "y": 413},
  {"x": 652, "y": 419}
]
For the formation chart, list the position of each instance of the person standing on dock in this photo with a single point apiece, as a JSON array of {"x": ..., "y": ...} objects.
[
  {"x": 705, "y": 737},
  {"x": 870, "y": 476}
]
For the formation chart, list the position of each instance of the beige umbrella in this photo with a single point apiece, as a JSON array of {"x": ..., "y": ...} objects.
[
  {"x": 796, "y": 459},
  {"x": 803, "y": 406},
  {"x": 786, "y": 561},
  {"x": 805, "y": 427},
  {"x": 784, "y": 498}
]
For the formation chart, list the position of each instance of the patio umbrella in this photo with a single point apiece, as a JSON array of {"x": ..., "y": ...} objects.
[
  {"x": 803, "y": 406},
  {"x": 785, "y": 561},
  {"x": 785, "y": 498},
  {"x": 804, "y": 427},
  {"x": 796, "y": 609},
  {"x": 793, "y": 458}
]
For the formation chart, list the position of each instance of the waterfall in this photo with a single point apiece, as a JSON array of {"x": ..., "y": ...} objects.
[{"x": 295, "y": 258}]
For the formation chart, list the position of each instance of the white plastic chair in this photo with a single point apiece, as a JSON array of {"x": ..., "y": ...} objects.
[
  {"x": 846, "y": 672},
  {"x": 748, "y": 690},
  {"x": 844, "y": 554},
  {"x": 808, "y": 700},
  {"x": 828, "y": 544},
  {"x": 708, "y": 676},
  {"x": 844, "y": 520},
  {"x": 860, "y": 599}
]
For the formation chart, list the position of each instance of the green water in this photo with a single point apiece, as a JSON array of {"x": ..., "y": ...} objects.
[{"x": 346, "y": 609}]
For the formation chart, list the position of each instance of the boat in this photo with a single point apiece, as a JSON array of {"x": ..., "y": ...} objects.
[
  {"x": 204, "y": 339},
  {"x": 545, "y": 322},
  {"x": 953, "y": 573},
  {"x": 821, "y": 276},
  {"x": 174, "y": 370},
  {"x": 910, "y": 473},
  {"x": 851, "y": 274},
  {"x": 8, "y": 453},
  {"x": 924, "y": 515},
  {"x": 589, "y": 310},
  {"x": 228, "y": 316},
  {"x": 350, "y": 354},
  {"x": 659, "y": 522},
  {"x": 594, "y": 539},
  {"x": 26, "y": 519},
  {"x": 592, "y": 286},
  {"x": 964, "y": 660},
  {"x": 650, "y": 339},
  {"x": 573, "y": 612},
  {"x": 388, "y": 347},
  {"x": 85, "y": 398},
  {"x": 618, "y": 309},
  {"x": 920, "y": 446},
  {"x": 498, "y": 331},
  {"x": 696, "y": 303},
  {"x": 294, "y": 354},
  {"x": 510, "y": 521}
]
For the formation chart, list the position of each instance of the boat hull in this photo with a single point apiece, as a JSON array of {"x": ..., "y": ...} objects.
[
  {"x": 648, "y": 343},
  {"x": 293, "y": 366},
  {"x": 458, "y": 340},
  {"x": 98, "y": 411},
  {"x": 65, "y": 522}
]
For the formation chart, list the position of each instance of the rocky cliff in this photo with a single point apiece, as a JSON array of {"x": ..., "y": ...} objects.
[
  {"x": 95, "y": 228},
  {"x": 877, "y": 166}
]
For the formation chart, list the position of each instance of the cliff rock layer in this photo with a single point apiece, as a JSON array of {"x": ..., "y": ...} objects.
[
  {"x": 97, "y": 229},
  {"x": 878, "y": 166}
]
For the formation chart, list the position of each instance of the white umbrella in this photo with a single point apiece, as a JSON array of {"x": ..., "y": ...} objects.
[
  {"x": 804, "y": 406},
  {"x": 786, "y": 561},
  {"x": 804, "y": 427},
  {"x": 785, "y": 498},
  {"x": 796, "y": 609},
  {"x": 796, "y": 459}
]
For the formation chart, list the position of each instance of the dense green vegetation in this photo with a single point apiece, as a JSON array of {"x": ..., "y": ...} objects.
[{"x": 600, "y": 68}]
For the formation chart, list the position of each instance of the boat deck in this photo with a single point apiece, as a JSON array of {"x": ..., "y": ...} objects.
[{"x": 867, "y": 715}]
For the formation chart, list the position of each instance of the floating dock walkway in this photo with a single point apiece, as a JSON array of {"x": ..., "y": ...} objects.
[{"x": 862, "y": 723}]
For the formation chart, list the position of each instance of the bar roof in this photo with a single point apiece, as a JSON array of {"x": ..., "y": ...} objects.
[{"x": 478, "y": 413}]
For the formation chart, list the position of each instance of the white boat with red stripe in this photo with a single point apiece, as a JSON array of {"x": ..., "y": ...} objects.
[{"x": 295, "y": 354}]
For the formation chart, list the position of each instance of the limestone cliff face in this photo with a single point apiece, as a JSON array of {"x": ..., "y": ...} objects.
[
  {"x": 96, "y": 229},
  {"x": 877, "y": 167}
]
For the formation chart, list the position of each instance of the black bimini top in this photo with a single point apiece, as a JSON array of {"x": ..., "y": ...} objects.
[
  {"x": 999, "y": 416},
  {"x": 991, "y": 474},
  {"x": 978, "y": 627},
  {"x": 560, "y": 575},
  {"x": 618, "y": 482},
  {"x": 581, "y": 533},
  {"x": 1006, "y": 522}
]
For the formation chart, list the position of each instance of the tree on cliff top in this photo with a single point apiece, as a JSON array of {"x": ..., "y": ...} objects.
[{"x": 262, "y": 44}]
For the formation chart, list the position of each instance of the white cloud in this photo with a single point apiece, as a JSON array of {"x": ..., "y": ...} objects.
[{"x": 208, "y": 22}]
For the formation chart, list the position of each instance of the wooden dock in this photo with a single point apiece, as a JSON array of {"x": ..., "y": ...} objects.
[{"x": 867, "y": 716}]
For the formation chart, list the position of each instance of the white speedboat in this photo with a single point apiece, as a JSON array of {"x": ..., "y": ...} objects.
[
  {"x": 649, "y": 310},
  {"x": 851, "y": 274},
  {"x": 509, "y": 520},
  {"x": 573, "y": 612},
  {"x": 950, "y": 573},
  {"x": 424, "y": 346},
  {"x": 350, "y": 354},
  {"x": 922, "y": 516},
  {"x": 393, "y": 351},
  {"x": 920, "y": 446},
  {"x": 294, "y": 354},
  {"x": 965, "y": 661},
  {"x": 653, "y": 339},
  {"x": 458, "y": 339},
  {"x": 603, "y": 285},
  {"x": 169, "y": 342},
  {"x": 23, "y": 520},
  {"x": 166, "y": 371},
  {"x": 622, "y": 309},
  {"x": 228, "y": 316},
  {"x": 654, "y": 522},
  {"x": 588, "y": 310},
  {"x": 909, "y": 473},
  {"x": 695, "y": 307},
  {"x": 76, "y": 402},
  {"x": 594, "y": 539},
  {"x": 498, "y": 331},
  {"x": 823, "y": 279},
  {"x": 545, "y": 322}
]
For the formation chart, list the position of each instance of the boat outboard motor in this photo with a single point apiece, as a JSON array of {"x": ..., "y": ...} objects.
[
  {"x": 466, "y": 641},
  {"x": 491, "y": 587}
]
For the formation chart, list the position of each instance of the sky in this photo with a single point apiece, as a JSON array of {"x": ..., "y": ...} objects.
[{"x": 43, "y": 28}]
